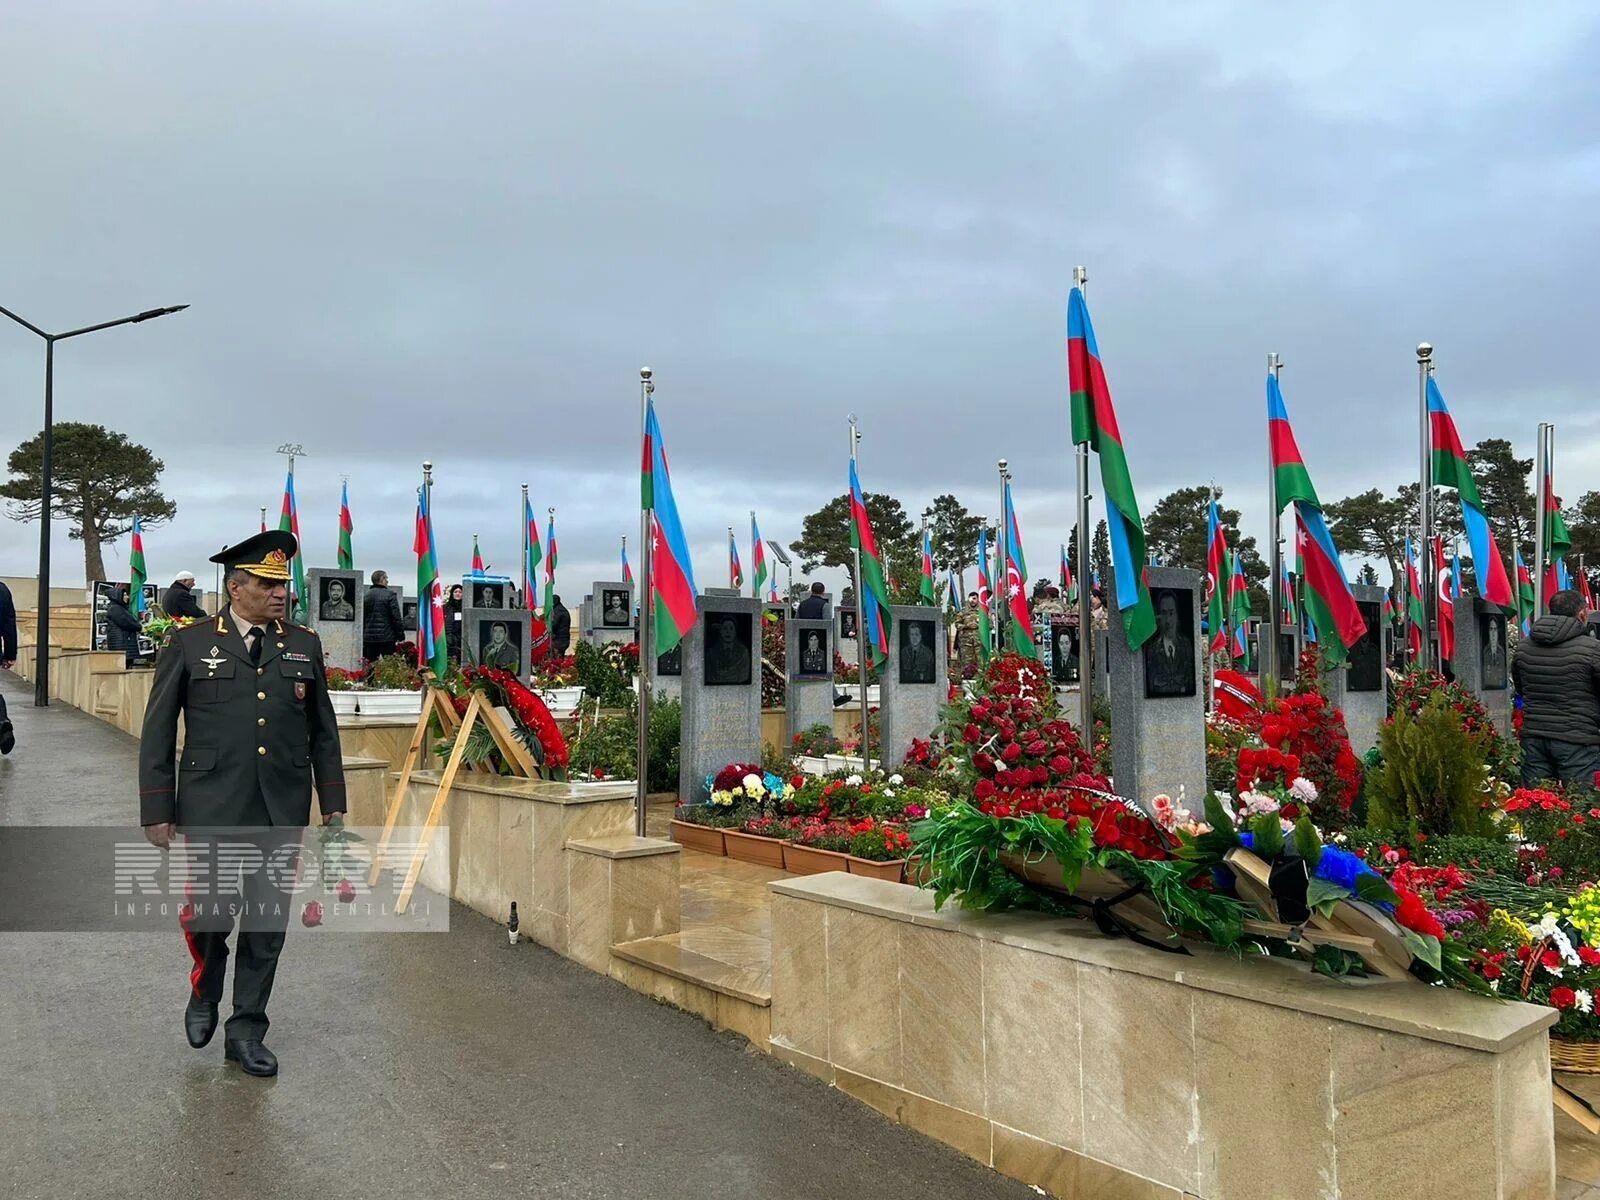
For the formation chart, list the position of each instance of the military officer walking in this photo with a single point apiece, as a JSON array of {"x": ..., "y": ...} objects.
[{"x": 259, "y": 728}]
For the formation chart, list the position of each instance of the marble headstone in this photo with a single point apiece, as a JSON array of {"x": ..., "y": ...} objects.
[
  {"x": 478, "y": 638},
  {"x": 610, "y": 614},
  {"x": 1158, "y": 712},
  {"x": 334, "y": 603},
  {"x": 914, "y": 682},
  {"x": 486, "y": 591},
  {"x": 721, "y": 685},
  {"x": 809, "y": 650},
  {"x": 1482, "y": 664},
  {"x": 1361, "y": 688},
  {"x": 667, "y": 680}
]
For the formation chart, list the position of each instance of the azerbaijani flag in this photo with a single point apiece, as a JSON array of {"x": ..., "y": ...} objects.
[
  {"x": 735, "y": 568},
  {"x": 670, "y": 585},
  {"x": 289, "y": 522},
  {"x": 529, "y": 564},
  {"x": 872, "y": 596},
  {"x": 1218, "y": 594},
  {"x": 985, "y": 596},
  {"x": 953, "y": 597},
  {"x": 1327, "y": 597},
  {"x": 1450, "y": 470},
  {"x": 1557, "y": 541},
  {"x": 1094, "y": 422},
  {"x": 1021, "y": 620},
  {"x": 925, "y": 587},
  {"x": 550, "y": 564},
  {"x": 758, "y": 560},
  {"x": 1444, "y": 579},
  {"x": 433, "y": 650},
  {"x": 1524, "y": 594},
  {"x": 1069, "y": 589},
  {"x": 627, "y": 571},
  {"x": 1239, "y": 610},
  {"x": 1583, "y": 588},
  {"x": 1416, "y": 617},
  {"x": 347, "y": 559},
  {"x": 1286, "y": 605},
  {"x": 477, "y": 558},
  {"x": 136, "y": 570}
]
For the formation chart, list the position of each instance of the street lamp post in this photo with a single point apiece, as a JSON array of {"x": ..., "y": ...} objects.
[{"x": 41, "y": 678}]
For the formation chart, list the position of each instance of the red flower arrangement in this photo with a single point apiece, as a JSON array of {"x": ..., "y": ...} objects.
[
  {"x": 525, "y": 706},
  {"x": 1305, "y": 736}
]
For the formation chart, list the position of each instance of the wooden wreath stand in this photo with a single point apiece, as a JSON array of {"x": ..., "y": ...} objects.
[{"x": 438, "y": 702}]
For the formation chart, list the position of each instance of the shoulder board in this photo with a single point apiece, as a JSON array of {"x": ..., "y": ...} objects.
[
  {"x": 208, "y": 623},
  {"x": 301, "y": 628}
]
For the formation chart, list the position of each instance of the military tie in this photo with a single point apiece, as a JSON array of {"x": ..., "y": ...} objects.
[{"x": 254, "y": 639}]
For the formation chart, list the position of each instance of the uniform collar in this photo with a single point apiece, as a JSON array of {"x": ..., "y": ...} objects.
[{"x": 232, "y": 630}]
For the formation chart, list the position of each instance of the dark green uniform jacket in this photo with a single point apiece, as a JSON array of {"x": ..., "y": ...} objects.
[{"x": 255, "y": 736}]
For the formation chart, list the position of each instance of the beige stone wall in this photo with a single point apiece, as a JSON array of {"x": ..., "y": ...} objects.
[{"x": 1092, "y": 1067}]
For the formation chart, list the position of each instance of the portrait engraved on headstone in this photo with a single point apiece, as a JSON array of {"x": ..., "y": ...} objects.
[
  {"x": 408, "y": 614},
  {"x": 334, "y": 604},
  {"x": 727, "y": 649},
  {"x": 847, "y": 624},
  {"x": 1492, "y": 636},
  {"x": 670, "y": 663},
  {"x": 1063, "y": 652},
  {"x": 485, "y": 595},
  {"x": 615, "y": 611},
  {"x": 501, "y": 644},
  {"x": 916, "y": 652},
  {"x": 1366, "y": 656},
  {"x": 1169, "y": 655},
  {"x": 814, "y": 658}
]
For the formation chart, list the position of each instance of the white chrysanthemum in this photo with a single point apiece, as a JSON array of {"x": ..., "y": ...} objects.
[
  {"x": 853, "y": 781},
  {"x": 897, "y": 779},
  {"x": 752, "y": 785},
  {"x": 1547, "y": 925},
  {"x": 889, "y": 792},
  {"x": 1303, "y": 790}
]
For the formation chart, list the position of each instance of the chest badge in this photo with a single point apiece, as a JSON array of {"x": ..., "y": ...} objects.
[
  {"x": 299, "y": 691},
  {"x": 213, "y": 663}
]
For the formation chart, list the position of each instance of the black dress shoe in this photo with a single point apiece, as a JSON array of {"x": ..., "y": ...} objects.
[
  {"x": 199, "y": 1021},
  {"x": 253, "y": 1057},
  {"x": 8, "y": 738}
]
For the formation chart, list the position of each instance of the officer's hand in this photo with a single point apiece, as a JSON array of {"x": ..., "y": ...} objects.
[{"x": 160, "y": 834}]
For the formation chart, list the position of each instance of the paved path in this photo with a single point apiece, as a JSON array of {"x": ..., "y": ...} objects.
[{"x": 415, "y": 1066}]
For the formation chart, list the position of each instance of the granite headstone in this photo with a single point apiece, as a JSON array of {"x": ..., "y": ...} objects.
[
  {"x": 609, "y": 615},
  {"x": 914, "y": 682},
  {"x": 721, "y": 682},
  {"x": 1482, "y": 664},
  {"x": 1361, "y": 687},
  {"x": 334, "y": 611},
  {"x": 498, "y": 637},
  {"x": 809, "y": 650},
  {"x": 486, "y": 591}
]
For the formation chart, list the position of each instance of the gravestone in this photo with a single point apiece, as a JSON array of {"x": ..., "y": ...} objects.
[
  {"x": 809, "y": 651},
  {"x": 913, "y": 683},
  {"x": 486, "y": 591},
  {"x": 721, "y": 684},
  {"x": 667, "y": 681},
  {"x": 609, "y": 616},
  {"x": 1482, "y": 664},
  {"x": 1361, "y": 688},
  {"x": 509, "y": 652},
  {"x": 333, "y": 609},
  {"x": 408, "y": 613},
  {"x": 1158, "y": 708}
]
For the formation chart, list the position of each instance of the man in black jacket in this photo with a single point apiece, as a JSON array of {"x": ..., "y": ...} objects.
[
  {"x": 384, "y": 626},
  {"x": 815, "y": 606},
  {"x": 178, "y": 600},
  {"x": 560, "y": 626},
  {"x": 8, "y": 659},
  {"x": 259, "y": 728},
  {"x": 1556, "y": 671}
]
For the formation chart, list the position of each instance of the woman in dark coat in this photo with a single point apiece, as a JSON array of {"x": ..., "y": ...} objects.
[
  {"x": 452, "y": 623},
  {"x": 122, "y": 627}
]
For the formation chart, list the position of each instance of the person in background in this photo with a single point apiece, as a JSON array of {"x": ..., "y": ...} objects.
[
  {"x": 452, "y": 623},
  {"x": 1098, "y": 617},
  {"x": 178, "y": 600},
  {"x": 560, "y": 626},
  {"x": 122, "y": 627},
  {"x": 1556, "y": 673},
  {"x": 383, "y": 626},
  {"x": 8, "y": 659},
  {"x": 966, "y": 636},
  {"x": 815, "y": 606}
]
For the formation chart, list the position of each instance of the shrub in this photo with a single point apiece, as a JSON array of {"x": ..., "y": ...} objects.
[
  {"x": 816, "y": 741},
  {"x": 393, "y": 671},
  {"x": 601, "y": 681},
  {"x": 1432, "y": 776},
  {"x": 609, "y": 748}
]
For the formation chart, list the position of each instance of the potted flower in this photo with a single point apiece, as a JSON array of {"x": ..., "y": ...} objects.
[
  {"x": 342, "y": 687},
  {"x": 812, "y": 747},
  {"x": 393, "y": 688},
  {"x": 878, "y": 849},
  {"x": 556, "y": 680},
  {"x": 818, "y": 846}
]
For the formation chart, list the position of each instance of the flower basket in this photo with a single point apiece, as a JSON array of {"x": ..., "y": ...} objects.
[
  {"x": 562, "y": 701},
  {"x": 703, "y": 838},
  {"x": 813, "y": 764},
  {"x": 1577, "y": 1058},
  {"x": 752, "y": 848},
  {"x": 891, "y": 870},
  {"x": 808, "y": 860},
  {"x": 344, "y": 703}
]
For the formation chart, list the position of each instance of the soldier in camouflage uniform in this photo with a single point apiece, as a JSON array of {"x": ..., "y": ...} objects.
[{"x": 966, "y": 626}]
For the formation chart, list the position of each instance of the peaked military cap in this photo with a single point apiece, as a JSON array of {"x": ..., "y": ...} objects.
[{"x": 268, "y": 555}]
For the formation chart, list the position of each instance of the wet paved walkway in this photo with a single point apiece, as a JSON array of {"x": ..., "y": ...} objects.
[{"x": 415, "y": 1066}]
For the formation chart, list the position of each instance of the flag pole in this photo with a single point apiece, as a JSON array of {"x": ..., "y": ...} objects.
[
  {"x": 1080, "y": 279},
  {"x": 755, "y": 548},
  {"x": 731, "y": 582},
  {"x": 522, "y": 519},
  {"x": 1425, "y": 496},
  {"x": 647, "y": 631},
  {"x": 861, "y": 612},
  {"x": 1267, "y": 647},
  {"x": 1541, "y": 519},
  {"x": 1002, "y": 580}
]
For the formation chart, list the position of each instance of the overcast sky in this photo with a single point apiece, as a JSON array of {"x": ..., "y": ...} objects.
[{"x": 456, "y": 231}]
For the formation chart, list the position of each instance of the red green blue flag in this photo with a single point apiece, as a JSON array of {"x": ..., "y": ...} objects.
[
  {"x": 347, "y": 560},
  {"x": 1020, "y": 620},
  {"x": 670, "y": 585},
  {"x": 627, "y": 571},
  {"x": 550, "y": 564},
  {"x": 735, "y": 568},
  {"x": 758, "y": 561},
  {"x": 1239, "y": 611},
  {"x": 1069, "y": 589},
  {"x": 1416, "y": 617},
  {"x": 433, "y": 649},
  {"x": 1217, "y": 584},
  {"x": 872, "y": 596},
  {"x": 1445, "y": 579},
  {"x": 1327, "y": 598},
  {"x": 535, "y": 553},
  {"x": 477, "y": 557},
  {"x": 137, "y": 574},
  {"x": 289, "y": 522},
  {"x": 1524, "y": 594},
  {"x": 1557, "y": 541},
  {"x": 953, "y": 592},
  {"x": 925, "y": 588},
  {"x": 1094, "y": 423},
  {"x": 985, "y": 596},
  {"x": 1451, "y": 470}
]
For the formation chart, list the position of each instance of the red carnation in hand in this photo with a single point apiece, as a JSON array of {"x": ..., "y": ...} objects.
[
  {"x": 347, "y": 891},
  {"x": 311, "y": 916},
  {"x": 1562, "y": 997}
]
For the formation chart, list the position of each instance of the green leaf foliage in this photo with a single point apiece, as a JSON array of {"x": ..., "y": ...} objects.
[
  {"x": 1307, "y": 842},
  {"x": 1432, "y": 774}
]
